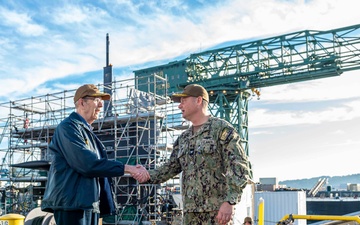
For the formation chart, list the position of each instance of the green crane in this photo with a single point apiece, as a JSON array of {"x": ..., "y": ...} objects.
[{"x": 231, "y": 73}]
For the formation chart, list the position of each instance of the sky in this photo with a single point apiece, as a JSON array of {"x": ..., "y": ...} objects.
[{"x": 296, "y": 131}]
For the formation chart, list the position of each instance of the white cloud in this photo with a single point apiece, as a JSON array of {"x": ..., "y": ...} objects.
[
  {"x": 76, "y": 32},
  {"x": 21, "y": 22},
  {"x": 272, "y": 117},
  {"x": 71, "y": 14},
  {"x": 340, "y": 87}
]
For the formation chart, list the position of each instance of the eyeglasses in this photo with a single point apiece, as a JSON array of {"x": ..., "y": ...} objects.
[
  {"x": 183, "y": 98},
  {"x": 95, "y": 99}
]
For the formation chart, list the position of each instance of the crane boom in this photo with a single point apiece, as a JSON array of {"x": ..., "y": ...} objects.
[
  {"x": 229, "y": 72},
  {"x": 298, "y": 56}
]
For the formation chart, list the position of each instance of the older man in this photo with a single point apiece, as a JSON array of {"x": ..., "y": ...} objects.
[{"x": 79, "y": 183}]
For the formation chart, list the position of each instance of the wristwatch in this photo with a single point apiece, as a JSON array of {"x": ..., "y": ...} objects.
[{"x": 231, "y": 203}]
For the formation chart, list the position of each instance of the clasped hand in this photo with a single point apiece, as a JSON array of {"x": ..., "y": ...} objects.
[{"x": 140, "y": 173}]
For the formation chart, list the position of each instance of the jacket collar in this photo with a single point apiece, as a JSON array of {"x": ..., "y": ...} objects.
[{"x": 78, "y": 119}]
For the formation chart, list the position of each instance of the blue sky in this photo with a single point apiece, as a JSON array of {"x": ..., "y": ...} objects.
[{"x": 297, "y": 131}]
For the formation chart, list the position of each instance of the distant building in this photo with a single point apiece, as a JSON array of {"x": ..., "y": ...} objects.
[
  {"x": 353, "y": 187},
  {"x": 269, "y": 184},
  {"x": 269, "y": 180},
  {"x": 280, "y": 203}
]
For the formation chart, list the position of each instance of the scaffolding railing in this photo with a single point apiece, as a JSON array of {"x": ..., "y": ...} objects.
[{"x": 136, "y": 127}]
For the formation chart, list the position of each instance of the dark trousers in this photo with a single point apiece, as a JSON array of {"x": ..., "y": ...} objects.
[{"x": 78, "y": 217}]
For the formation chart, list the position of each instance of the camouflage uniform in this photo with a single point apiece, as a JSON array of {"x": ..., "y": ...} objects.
[{"x": 214, "y": 165}]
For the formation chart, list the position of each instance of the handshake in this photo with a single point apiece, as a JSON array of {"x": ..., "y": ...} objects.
[{"x": 138, "y": 172}]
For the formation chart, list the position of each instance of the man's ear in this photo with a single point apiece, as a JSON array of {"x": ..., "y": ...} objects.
[
  {"x": 81, "y": 102},
  {"x": 200, "y": 99}
]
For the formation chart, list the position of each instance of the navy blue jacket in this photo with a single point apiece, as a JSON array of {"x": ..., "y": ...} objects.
[{"x": 79, "y": 168}]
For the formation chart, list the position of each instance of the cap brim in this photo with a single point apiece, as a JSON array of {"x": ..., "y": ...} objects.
[
  {"x": 177, "y": 97},
  {"x": 103, "y": 96}
]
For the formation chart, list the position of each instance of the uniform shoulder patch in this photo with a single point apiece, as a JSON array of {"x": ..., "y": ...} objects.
[{"x": 225, "y": 133}]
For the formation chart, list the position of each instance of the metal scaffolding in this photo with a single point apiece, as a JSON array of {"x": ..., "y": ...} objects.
[{"x": 136, "y": 127}]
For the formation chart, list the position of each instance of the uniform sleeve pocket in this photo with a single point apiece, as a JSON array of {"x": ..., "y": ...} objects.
[{"x": 181, "y": 153}]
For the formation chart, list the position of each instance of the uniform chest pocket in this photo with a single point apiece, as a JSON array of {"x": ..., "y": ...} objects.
[
  {"x": 207, "y": 146},
  {"x": 181, "y": 153}
]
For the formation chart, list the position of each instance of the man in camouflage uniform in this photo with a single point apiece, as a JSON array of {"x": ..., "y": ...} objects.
[{"x": 213, "y": 163}]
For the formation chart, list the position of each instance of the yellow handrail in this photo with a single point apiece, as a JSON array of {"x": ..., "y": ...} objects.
[{"x": 321, "y": 217}]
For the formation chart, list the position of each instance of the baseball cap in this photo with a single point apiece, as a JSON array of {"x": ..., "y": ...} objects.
[
  {"x": 91, "y": 91},
  {"x": 193, "y": 90}
]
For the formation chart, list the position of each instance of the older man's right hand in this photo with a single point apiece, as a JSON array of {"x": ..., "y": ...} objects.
[{"x": 140, "y": 174}]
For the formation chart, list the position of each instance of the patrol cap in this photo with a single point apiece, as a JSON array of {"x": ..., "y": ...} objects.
[
  {"x": 193, "y": 90},
  {"x": 91, "y": 91},
  {"x": 247, "y": 219}
]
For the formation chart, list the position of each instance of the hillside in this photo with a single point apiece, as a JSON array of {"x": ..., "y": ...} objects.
[{"x": 335, "y": 182}]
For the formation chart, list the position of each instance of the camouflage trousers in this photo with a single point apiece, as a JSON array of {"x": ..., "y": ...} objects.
[{"x": 203, "y": 218}]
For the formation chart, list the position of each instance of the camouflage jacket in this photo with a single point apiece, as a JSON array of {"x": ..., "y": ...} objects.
[{"x": 213, "y": 163}]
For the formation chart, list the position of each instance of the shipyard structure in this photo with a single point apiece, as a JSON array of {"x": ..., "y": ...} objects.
[{"x": 137, "y": 126}]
